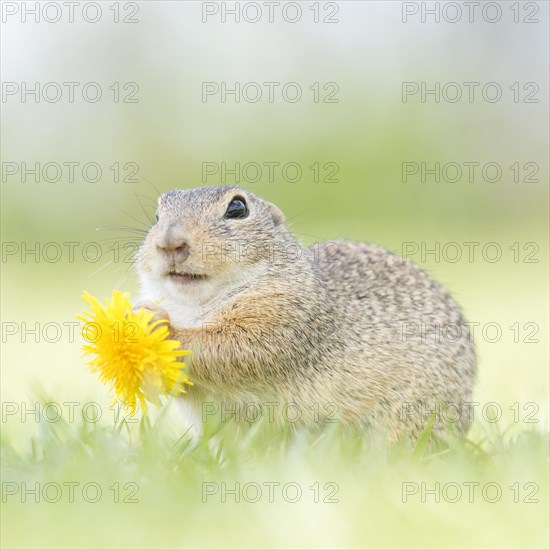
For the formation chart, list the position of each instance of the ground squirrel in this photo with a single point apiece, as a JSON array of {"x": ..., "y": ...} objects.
[{"x": 340, "y": 331}]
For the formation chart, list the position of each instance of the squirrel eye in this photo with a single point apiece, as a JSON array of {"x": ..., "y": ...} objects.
[{"x": 237, "y": 209}]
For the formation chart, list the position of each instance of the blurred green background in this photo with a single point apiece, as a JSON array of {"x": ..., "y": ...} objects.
[{"x": 170, "y": 132}]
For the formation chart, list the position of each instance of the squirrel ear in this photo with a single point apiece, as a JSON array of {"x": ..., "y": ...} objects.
[{"x": 276, "y": 214}]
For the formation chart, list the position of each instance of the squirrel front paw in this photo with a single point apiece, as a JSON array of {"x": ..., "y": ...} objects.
[{"x": 152, "y": 307}]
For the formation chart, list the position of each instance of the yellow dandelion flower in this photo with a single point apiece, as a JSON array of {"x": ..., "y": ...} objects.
[{"x": 132, "y": 354}]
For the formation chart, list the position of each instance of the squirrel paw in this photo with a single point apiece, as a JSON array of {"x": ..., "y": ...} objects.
[{"x": 152, "y": 307}]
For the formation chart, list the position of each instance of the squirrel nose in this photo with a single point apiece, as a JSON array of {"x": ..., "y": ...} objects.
[{"x": 173, "y": 245}]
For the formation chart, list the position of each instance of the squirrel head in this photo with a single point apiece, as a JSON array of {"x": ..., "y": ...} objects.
[{"x": 209, "y": 238}]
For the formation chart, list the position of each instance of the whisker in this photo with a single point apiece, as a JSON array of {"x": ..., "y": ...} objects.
[
  {"x": 307, "y": 235},
  {"x": 129, "y": 215},
  {"x": 120, "y": 239},
  {"x": 151, "y": 184},
  {"x": 143, "y": 209},
  {"x": 128, "y": 228},
  {"x": 125, "y": 276},
  {"x": 292, "y": 218},
  {"x": 150, "y": 199},
  {"x": 101, "y": 268}
]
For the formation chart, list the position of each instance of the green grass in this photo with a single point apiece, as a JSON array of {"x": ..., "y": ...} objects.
[{"x": 358, "y": 481}]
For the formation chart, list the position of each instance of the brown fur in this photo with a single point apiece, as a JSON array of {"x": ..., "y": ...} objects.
[{"x": 323, "y": 330}]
